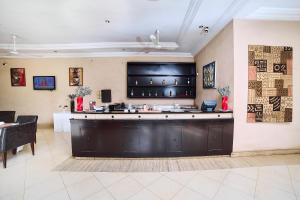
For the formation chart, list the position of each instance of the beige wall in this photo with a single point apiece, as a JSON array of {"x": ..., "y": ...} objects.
[
  {"x": 99, "y": 73},
  {"x": 220, "y": 49},
  {"x": 264, "y": 136}
]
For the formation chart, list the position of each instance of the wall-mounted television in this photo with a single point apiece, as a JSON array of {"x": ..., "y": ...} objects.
[{"x": 44, "y": 83}]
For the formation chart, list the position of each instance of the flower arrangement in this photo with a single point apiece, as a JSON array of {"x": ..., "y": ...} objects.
[
  {"x": 225, "y": 91},
  {"x": 72, "y": 96},
  {"x": 83, "y": 91}
]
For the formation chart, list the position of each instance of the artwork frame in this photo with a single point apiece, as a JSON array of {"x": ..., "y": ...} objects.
[
  {"x": 75, "y": 76},
  {"x": 209, "y": 76},
  {"x": 270, "y": 84},
  {"x": 17, "y": 77}
]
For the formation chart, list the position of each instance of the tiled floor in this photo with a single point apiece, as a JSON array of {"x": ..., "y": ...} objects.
[{"x": 32, "y": 177}]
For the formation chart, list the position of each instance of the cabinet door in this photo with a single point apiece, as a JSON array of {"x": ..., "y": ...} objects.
[
  {"x": 173, "y": 138},
  {"x": 195, "y": 138},
  {"x": 215, "y": 138},
  {"x": 130, "y": 138}
]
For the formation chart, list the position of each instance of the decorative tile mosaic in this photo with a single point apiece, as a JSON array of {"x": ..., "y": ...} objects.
[{"x": 270, "y": 84}]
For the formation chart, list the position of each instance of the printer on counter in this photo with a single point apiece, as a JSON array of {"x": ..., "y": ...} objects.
[{"x": 208, "y": 105}]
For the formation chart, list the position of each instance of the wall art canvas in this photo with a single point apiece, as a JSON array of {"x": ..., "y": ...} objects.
[
  {"x": 270, "y": 83},
  {"x": 17, "y": 77},
  {"x": 209, "y": 75},
  {"x": 75, "y": 76}
]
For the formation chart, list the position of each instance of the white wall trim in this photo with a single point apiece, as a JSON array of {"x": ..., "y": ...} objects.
[
  {"x": 190, "y": 15},
  {"x": 222, "y": 22},
  {"x": 81, "y": 46},
  {"x": 99, "y": 54}
]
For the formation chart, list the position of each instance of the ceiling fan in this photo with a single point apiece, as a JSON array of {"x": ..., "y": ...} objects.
[
  {"x": 155, "y": 43},
  {"x": 14, "y": 52}
]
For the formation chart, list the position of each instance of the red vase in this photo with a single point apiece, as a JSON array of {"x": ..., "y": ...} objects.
[
  {"x": 224, "y": 103},
  {"x": 79, "y": 104}
]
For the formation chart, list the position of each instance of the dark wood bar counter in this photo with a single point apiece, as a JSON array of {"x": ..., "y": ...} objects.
[{"x": 151, "y": 135}]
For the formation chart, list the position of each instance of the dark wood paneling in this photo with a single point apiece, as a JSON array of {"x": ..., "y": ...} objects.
[{"x": 151, "y": 138}]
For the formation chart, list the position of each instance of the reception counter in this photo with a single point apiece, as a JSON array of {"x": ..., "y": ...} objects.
[{"x": 118, "y": 134}]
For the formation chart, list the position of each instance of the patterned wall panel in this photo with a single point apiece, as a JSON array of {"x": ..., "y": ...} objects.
[{"x": 270, "y": 84}]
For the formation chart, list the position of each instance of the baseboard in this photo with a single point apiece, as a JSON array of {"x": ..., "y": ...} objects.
[
  {"x": 45, "y": 126},
  {"x": 265, "y": 152}
]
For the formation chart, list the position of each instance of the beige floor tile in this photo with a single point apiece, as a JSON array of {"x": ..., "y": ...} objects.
[
  {"x": 145, "y": 178},
  {"x": 267, "y": 192},
  {"x": 13, "y": 196},
  {"x": 295, "y": 172},
  {"x": 70, "y": 178},
  {"x": 249, "y": 172},
  {"x": 187, "y": 194},
  {"x": 108, "y": 178},
  {"x": 102, "y": 195},
  {"x": 217, "y": 175},
  {"x": 241, "y": 183},
  {"x": 164, "y": 187},
  {"x": 296, "y": 186},
  {"x": 12, "y": 180},
  {"x": 228, "y": 193},
  {"x": 43, "y": 189},
  {"x": 124, "y": 188},
  {"x": 181, "y": 177},
  {"x": 59, "y": 195},
  {"x": 204, "y": 185},
  {"x": 33, "y": 177},
  {"x": 84, "y": 188},
  {"x": 144, "y": 195}
]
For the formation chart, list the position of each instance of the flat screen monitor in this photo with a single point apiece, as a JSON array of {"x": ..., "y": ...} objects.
[{"x": 44, "y": 83}]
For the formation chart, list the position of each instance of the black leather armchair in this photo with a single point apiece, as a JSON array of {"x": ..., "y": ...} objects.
[
  {"x": 21, "y": 119},
  {"x": 14, "y": 136},
  {"x": 7, "y": 116}
]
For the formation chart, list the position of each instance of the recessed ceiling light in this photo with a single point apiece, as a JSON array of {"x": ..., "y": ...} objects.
[
  {"x": 107, "y": 21},
  {"x": 203, "y": 29}
]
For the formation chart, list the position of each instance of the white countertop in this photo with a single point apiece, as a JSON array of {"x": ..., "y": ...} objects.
[{"x": 152, "y": 116}]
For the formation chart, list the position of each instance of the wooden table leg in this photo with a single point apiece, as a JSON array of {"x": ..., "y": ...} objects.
[{"x": 4, "y": 157}]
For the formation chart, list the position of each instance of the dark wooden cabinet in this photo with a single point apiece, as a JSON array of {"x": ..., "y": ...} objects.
[
  {"x": 151, "y": 138},
  {"x": 161, "y": 80}
]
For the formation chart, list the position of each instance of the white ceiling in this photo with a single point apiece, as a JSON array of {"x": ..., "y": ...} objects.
[{"x": 78, "y": 28}]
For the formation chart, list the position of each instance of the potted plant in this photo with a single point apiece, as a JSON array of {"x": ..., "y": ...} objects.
[
  {"x": 80, "y": 93},
  {"x": 224, "y": 92}
]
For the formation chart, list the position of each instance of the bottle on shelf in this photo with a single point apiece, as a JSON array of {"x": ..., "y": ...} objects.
[
  {"x": 151, "y": 82},
  {"x": 191, "y": 92},
  {"x": 136, "y": 82},
  {"x": 170, "y": 93},
  {"x": 131, "y": 93},
  {"x": 156, "y": 93},
  {"x": 149, "y": 93},
  {"x": 176, "y": 82},
  {"x": 186, "y": 92},
  {"x": 188, "y": 81},
  {"x": 164, "y": 82},
  {"x": 143, "y": 93}
]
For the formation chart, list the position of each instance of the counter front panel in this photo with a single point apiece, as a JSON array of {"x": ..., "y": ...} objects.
[{"x": 151, "y": 135}]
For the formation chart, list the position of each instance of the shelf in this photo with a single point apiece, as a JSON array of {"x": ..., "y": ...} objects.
[
  {"x": 161, "y": 97},
  {"x": 160, "y": 75},
  {"x": 191, "y": 86}
]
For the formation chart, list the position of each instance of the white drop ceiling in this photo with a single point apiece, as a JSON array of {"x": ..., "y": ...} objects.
[{"x": 76, "y": 28}]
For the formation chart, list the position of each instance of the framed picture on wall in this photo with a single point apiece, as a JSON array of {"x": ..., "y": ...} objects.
[
  {"x": 75, "y": 76},
  {"x": 209, "y": 76},
  {"x": 17, "y": 77}
]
